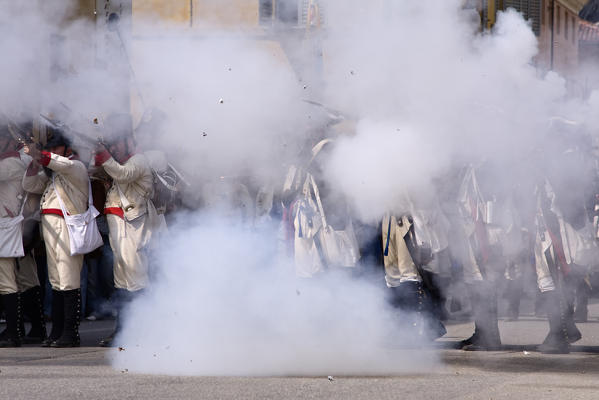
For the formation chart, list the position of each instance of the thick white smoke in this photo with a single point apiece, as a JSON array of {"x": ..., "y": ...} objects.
[
  {"x": 223, "y": 303},
  {"x": 428, "y": 91},
  {"x": 233, "y": 104}
]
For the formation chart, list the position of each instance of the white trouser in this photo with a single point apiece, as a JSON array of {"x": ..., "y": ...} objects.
[
  {"x": 27, "y": 273},
  {"x": 130, "y": 259},
  {"x": 8, "y": 277},
  {"x": 399, "y": 266},
  {"x": 64, "y": 270}
]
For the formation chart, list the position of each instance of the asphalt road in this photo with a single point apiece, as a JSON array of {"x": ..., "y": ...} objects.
[{"x": 517, "y": 372}]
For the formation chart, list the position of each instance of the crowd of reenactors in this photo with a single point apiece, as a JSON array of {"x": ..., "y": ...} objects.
[
  {"x": 486, "y": 228},
  {"x": 481, "y": 228},
  {"x": 45, "y": 182}
]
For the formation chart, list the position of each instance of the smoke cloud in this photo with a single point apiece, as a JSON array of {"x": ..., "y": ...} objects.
[
  {"x": 430, "y": 91},
  {"x": 233, "y": 307},
  {"x": 427, "y": 91}
]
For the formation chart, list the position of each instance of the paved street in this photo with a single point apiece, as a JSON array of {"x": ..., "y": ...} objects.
[{"x": 517, "y": 372}]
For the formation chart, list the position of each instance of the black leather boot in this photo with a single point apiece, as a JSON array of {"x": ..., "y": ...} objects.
[
  {"x": 12, "y": 309},
  {"x": 513, "y": 294},
  {"x": 557, "y": 340},
  {"x": 72, "y": 317},
  {"x": 568, "y": 298},
  {"x": 123, "y": 298},
  {"x": 574, "y": 335},
  {"x": 435, "y": 294},
  {"x": 407, "y": 297},
  {"x": 581, "y": 314},
  {"x": 540, "y": 306},
  {"x": 33, "y": 309},
  {"x": 108, "y": 340},
  {"x": 486, "y": 335},
  {"x": 433, "y": 311},
  {"x": 417, "y": 313},
  {"x": 57, "y": 318}
]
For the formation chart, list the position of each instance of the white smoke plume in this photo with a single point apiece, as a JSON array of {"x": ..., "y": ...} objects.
[
  {"x": 231, "y": 307},
  {"x": 427, "y": 90}
]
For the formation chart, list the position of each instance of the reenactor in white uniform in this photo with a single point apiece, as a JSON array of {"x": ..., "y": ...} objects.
[
  {"x": 27, "y": 269},
  {"x": 324, "y": 237},
  {"x": 405, "y": 279},
  {"x": 565, "y": 247},
  {"x": 129, "y": 211},
  {"x": 483, "y": 265},
  {"x": 12, "y": 169},
  {"x": 60, "y": 177},
  {"x": 31, "y": 297}
]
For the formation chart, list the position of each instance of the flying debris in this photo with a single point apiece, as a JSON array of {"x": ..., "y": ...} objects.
[
  {"x": 221, "y": 101},
  {"x": 334, "y": 115},
  {"x": 331, "y": 379}
]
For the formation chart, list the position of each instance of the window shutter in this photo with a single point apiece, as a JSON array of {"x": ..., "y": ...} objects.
[
  {"x": 287, "y": 11},
  {"x": 531, "y": 9},
  {"x": 265, "y": 11},
  {"x": 305, "y": 7}
]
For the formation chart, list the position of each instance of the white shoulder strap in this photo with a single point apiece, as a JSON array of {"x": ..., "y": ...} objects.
[
  {"x": 23, "y": 204},
  {"x": 62, "y": 207},
  {"x": 124, "y": 201},
  {"x": 318, "y": 201},
  {"x": 90, "y": 200}
]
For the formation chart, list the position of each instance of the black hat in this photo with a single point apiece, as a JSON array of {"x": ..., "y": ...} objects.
[
  {"x": 16, "y": 131},
  {"x": 56, "y": 137}
]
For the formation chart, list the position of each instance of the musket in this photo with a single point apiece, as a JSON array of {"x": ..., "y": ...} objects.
[
  {"x": 332, "y": 113},
  {"x": 17, "y": 133},
  {"x": 56, "y": 124},
  {"x": 179, "y": 175},
  {"x": 113, "y": 26}
]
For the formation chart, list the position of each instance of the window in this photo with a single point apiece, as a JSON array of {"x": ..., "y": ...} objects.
[
  {"x": 312, "y": 12},
  {"x": 531, "y": 9},
  {"x": 265, "y": 10},
  {"x": 287, "y": 11},
  {"x": 281, "y": 11}
]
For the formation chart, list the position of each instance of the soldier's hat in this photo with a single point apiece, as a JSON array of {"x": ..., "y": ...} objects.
[
  {"x": 56, "y": 137},
  {"x": 17, "y": 131}
]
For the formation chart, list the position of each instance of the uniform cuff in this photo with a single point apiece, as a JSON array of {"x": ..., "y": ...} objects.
[
  {"x": 45, "y": 158},
  {"x": 102, "y": 157}
]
